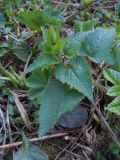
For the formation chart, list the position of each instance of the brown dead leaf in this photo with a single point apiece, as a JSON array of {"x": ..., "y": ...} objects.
[{"x": 22, "y": 111}]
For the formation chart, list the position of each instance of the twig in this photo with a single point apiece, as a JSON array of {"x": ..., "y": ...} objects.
[
  {"x": 84, "y": 147},
  {"x": 16, "y": 144},
  {"x": 68, "y": 4},
  {"x": 28, "y": 60},
  {"x": 71, "y": 15},
  {"x": 113, "y": 135},
  {"x": 63, "y": 150},
  {"x": 100, "y": 86}
]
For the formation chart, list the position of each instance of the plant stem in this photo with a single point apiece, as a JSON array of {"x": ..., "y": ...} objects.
[
  {"x": 9, "y": 75},
  {"x": 27, "y": 62},
  {"x": 100, "y": 87},
  {"x": 5, "y": 78}
]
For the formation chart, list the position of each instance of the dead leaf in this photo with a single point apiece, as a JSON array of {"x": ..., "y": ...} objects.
[{"x": 22, "y": 111}]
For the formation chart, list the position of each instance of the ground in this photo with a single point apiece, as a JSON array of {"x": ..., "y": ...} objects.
[{"x": 91, "y": 141}]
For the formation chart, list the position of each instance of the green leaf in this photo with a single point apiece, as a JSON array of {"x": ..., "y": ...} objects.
[
  {"x": 117, "y": 28},
  {"x": 77, "y": 75},
  {"x": 54, "y": 16},
  {"x": 56, "y": 100},
  {"x": 21, "y": 50},
  {"x": 114, "y": 91},
  {"x": 43, "y": 61},
  {"x": 29, "y": 152},
  {"x": 87, "y": 1},
  {"x": 3, "y": 50},
  {"x": 12, "y": 1},
  {"x": 51, "y": 42},
  {"x": 73, "y": 43},
  {"x": 86, "y": 25},
  {"x": 38, "y": 79},
  {"x": 2, "y": 82},
  {"x": 35, "y": 93},
  {"x": 114, "y": 106},
  {"x": 37, "y": 83},
  {"x": 35, "y": 19},
  {"x": 117, "y": 6},
  {"x": 47, "y": 2},
  {"x": 2, "y": 19},
  {"x": 98, "y": 45},
  {"x": 112, "y": 76},
  {"x": 116, "y": 53}
]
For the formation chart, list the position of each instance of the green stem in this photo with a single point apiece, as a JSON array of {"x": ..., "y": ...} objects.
[
  {"x": 9, "y": 75},
  {"x": 14, "y": 73},
  {"x": 5, "y": 78}
]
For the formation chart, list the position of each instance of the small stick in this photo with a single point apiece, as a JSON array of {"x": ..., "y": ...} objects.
[
  {"x": 68, "y": 4},
  {"x": 16, "y": 144},
  {"x": 113, "y": 135},
  {"x": 26, "y": 65}
]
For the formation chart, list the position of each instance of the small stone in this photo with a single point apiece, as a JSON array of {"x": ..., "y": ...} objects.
[{"x": 75, "y": 118}]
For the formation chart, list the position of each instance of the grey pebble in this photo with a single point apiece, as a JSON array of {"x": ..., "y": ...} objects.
[{"x": 75, "y": 118}]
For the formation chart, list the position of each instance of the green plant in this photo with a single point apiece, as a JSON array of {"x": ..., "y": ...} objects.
[
  {"x": 87, "y": 1},
  {"x": 61, "y": 75},
  {"x": 114, "y": 91},
  {"x": 85, "y": 26},
  {"x": 113, "y": 148},
  {"x": 60, "y": 72},
  {"x": 37, "y": 18},
  {"x": 12, "y": 77},
  {"x": 100, "y": 156},
  {"x": 18, "y": 48}
]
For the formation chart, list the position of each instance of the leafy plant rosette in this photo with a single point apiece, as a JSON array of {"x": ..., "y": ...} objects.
[
  {"x": 114, "y": 91},
  {"x": 61, "y": 75}
]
